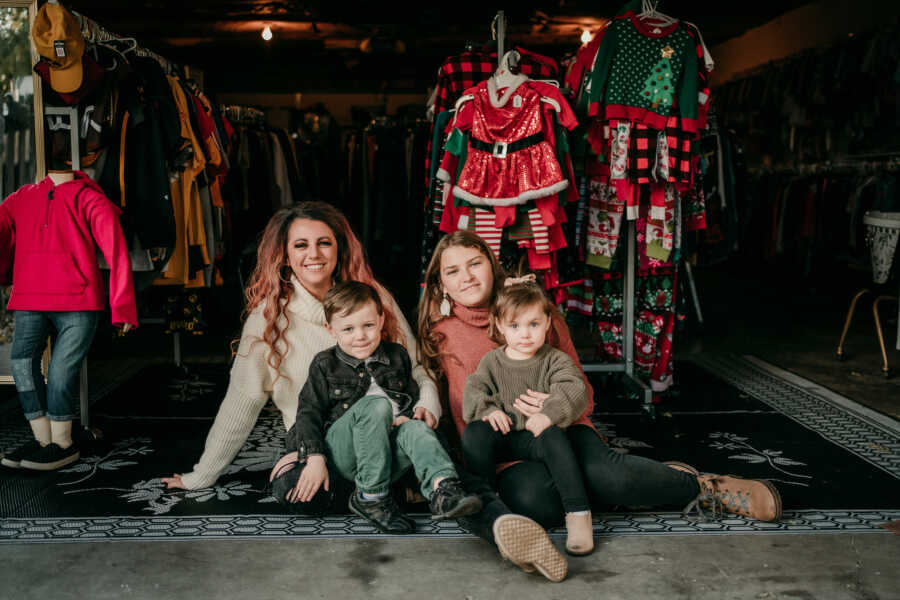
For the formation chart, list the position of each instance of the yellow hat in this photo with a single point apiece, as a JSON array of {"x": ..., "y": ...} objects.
[{"x": 57, "y": 37}]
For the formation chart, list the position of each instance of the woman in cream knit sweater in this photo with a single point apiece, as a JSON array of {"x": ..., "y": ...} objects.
[{"x": 304, "y": 250}]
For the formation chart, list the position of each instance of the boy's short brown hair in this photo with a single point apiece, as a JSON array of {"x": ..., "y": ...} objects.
[{"x": 348, "y": 297}]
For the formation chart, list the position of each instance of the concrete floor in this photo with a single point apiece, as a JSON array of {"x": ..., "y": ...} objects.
[{"x": 794, "y": 567}]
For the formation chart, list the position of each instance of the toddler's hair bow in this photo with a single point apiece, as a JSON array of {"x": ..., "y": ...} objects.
[{"x": 530, "y": 278}]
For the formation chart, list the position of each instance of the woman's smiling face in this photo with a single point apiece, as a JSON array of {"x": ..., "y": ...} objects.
[{"x": 312, "y": 253}]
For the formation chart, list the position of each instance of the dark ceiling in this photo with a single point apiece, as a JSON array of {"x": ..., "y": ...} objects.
[{"x": 316, "y": 44}]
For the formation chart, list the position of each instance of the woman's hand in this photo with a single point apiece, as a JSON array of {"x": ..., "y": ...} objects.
[
  {"x": 536, "y": 424},
  {"x": 314, "y": 475},
  {"x": 499, "y": 420},
  {"x": 174, "y": 482},
  {"x": 423, "y": 414},
  {"x": 530, "y": 403},
  {"x": 400, "y": 421}
]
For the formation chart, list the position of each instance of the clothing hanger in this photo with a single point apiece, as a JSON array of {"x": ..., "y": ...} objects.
[
  {"x": 707, "y": 57},
  {"x": 649, "y": 13},
  {"x": 114, "y": 49},
  {"x": 503, "y": 76},
  {"x": 132, "y": 45}
]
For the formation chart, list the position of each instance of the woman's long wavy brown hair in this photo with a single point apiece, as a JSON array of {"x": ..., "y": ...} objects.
[
  {"x": 429, "y": 340},
  {"x": 270, "y": 283}
]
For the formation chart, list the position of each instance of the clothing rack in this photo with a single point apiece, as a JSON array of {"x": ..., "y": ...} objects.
[
  {"x": 862, "y": 163},
  {"x": 632, "y": 383},
  {"x": 94, "y": 33},
  {"x": 498, "y": 30},
  {"x": 500, "y": 34},
  {"x": 858, "y": 164},
  {"x": 244, "y": 114},
  {"x": 71, "y": 112}
]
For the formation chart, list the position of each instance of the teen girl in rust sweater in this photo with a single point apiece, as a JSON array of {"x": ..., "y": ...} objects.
[{"x": 460, "y": 284}]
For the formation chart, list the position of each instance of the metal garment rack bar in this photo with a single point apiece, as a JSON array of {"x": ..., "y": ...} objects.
[
  {"x": 693, "y": 288},
  {"x": 72, "y": 113},
  {"x": 501, "y": 35},
  {"x": 632, "y": 383},
  {"x": 176, "y": 339},
  {"x": 83, "y": 392},
  {"x": 93, "y": 32}
]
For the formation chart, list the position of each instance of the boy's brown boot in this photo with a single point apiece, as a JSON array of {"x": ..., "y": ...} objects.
[{"x": 579, "y": 534}]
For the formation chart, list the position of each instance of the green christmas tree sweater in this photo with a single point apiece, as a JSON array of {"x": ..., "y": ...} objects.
[{"x": 645, "y": 74}]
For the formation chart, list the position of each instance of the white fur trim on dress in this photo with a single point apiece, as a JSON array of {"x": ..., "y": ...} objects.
[
  {"x": 520, "y": 199},
  {"x": 443, "y": 175}
]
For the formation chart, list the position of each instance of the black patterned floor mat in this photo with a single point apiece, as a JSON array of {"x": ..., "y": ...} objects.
[{"x": 836, "y": 463}]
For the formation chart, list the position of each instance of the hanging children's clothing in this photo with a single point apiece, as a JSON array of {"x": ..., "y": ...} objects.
[
  {"x": 507, "y": 172},
  {"x": 456, "y": 75},
  {"x": 644, "y": 89},
  {"x": 508, "y": 159},
  {"x": 645, "y": 73}
]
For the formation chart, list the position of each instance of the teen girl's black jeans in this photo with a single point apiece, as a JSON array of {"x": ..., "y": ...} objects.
[{"x": 611, "y": 479}]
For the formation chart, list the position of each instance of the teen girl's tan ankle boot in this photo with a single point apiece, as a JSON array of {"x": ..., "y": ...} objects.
[{"x": 579, "y": 534}]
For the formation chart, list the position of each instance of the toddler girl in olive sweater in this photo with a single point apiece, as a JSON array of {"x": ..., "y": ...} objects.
[{"x": 521, "y": 316}]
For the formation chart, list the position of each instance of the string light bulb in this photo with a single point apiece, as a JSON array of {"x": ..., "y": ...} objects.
[
  {"x": 267, "y": 33},
  {"x": 586, "y": 36}
]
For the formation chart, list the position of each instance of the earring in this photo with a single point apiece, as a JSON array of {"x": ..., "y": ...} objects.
[
  {"x": 281, "y": 273},
  {"x": 445, "y": 305}
]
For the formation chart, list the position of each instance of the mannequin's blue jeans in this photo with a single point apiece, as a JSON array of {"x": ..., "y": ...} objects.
[{"x": 75, "y": 331}]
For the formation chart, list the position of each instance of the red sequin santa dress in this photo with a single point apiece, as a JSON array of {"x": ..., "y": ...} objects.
[{"x": 508, "y": 160}]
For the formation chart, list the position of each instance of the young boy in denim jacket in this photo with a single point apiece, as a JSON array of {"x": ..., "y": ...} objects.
[{"x": 355, "y": 414}]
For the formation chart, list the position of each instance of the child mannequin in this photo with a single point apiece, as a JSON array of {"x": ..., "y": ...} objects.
[
  {"x": 521, "y": 315},
  {"x": 356, "y": 408}
]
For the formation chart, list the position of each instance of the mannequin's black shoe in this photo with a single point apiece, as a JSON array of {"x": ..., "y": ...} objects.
[
  {"x": 450, "y": 501},
  {"x": 14, "y": 459},
  {"x": 51, "y": 457},
  {"x": 383, "y": 513}
]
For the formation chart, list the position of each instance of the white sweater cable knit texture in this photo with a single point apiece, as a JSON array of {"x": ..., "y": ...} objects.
[{"x": 253, "y": 381}]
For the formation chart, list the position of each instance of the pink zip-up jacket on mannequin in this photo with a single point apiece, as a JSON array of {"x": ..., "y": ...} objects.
[{"x": 50, "y": 234}]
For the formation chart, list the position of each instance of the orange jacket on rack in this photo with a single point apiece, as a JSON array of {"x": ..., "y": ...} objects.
[{"x": 190, "y": 236}]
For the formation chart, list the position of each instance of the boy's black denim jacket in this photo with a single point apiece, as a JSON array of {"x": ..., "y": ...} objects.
[{"x": 337, "y": 380}]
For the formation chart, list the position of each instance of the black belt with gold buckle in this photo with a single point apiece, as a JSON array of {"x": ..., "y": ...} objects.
[{"x": 501, "y": 149}]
